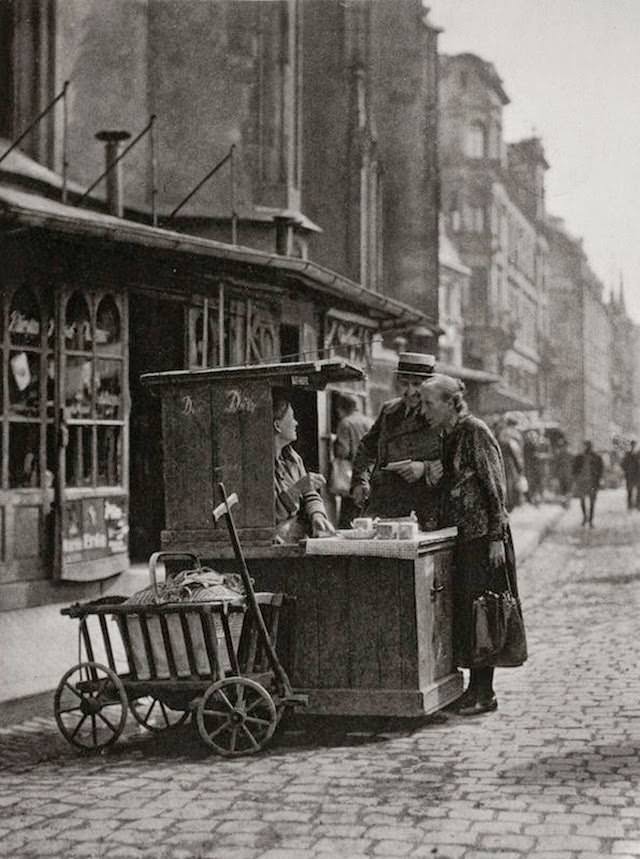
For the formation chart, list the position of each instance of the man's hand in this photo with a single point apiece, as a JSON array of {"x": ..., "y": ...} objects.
[
  {"x": 320, "y": 525},
  {"x": 360, "y": 495},
  {"x": 410, "y": 471},
  {"x": 496, "y": 553}
]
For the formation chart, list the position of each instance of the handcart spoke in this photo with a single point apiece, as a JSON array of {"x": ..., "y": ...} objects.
[
  {"x": 147, "y": 715},
  {"x": 255, "y": 721},
  {"x": 234, "y": 737},
  {"x": 75, "y": 691},
  {"x": 156, "y": 716},
  {"x": 254, "y": 742},
  {"x": 227, "y": 702},
  {"x": 111, "y": 726},
  {"x": 224, "y": 727},
  {"x": 70, "y": 710},
  {"x": 78, "y": 726},
  {"x": 94, "y": 732},
  {"x": 257, "y": 703},
  {"x": 216, "y": 714}
]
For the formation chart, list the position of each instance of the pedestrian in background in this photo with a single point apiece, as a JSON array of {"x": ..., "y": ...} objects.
[
  {"x": 562, "y": 464},
  {"x": 352, "y": 426},
  {"x": 587, "y": 474},
  {"x": 630, "y": 465},
  {"x": 398, "y": 462},
  {"x": 511, "y": 446},
  {"x": 473, "y": 499}
]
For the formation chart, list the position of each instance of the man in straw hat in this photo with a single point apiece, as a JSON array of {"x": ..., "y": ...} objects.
[{"x": 397, "y": 465}]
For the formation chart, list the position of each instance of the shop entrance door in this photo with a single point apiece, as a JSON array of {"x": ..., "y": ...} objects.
[{"x": 156, "y": 343}]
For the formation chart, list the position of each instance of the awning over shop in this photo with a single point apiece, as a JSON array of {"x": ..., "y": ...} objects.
[
  {"x": 467, "y": 374},
  {"x": 37, "y": 211},
  {"x": 499, "y": 399}
]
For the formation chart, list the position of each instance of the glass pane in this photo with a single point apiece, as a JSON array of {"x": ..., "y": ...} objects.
[
  {"x": 24, "y": 383},
  {"x": 79, "y": 454},
  {"x": 109, "y": 456},
  {"x": 77, "y": 392},
  {"x": 24, "y": 319},
  {"x": 24, "y": 455},
  {"x": 108, "y": 337},
  {"x": 108, "y": 389},
  {"x": 77, "y": 329}
]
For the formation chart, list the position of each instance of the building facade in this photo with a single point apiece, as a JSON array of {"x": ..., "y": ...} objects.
[
  {"x": 493, "y": 203},
  {"x": 370, "y": 174},
  {"x": 90, "y": 300},
  {"x": 581, "y": 334}
]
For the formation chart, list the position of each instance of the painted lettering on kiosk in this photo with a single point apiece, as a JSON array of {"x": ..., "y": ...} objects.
[{"x": 236, "y": 401}]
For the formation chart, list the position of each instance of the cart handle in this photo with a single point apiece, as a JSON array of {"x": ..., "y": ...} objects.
[
  {"x": 177, "y": 556},
  {"x": 227, "y": 504}
]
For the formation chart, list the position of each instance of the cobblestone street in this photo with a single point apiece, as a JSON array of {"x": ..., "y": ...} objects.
[{"x": 555, "y": 773}]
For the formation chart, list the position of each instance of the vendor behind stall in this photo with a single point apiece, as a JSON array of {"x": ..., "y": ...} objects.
[
  {"x": 397, "y": 465},
  {"x": 300, "y": 510}
]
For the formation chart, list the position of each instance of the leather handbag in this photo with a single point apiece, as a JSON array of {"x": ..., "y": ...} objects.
[
  {"x": 340, "y": 477},
  {"x": 498, "y": 630}
]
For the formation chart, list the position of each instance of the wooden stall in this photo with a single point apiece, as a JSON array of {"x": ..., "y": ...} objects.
[{"x": 371, "y": 633}]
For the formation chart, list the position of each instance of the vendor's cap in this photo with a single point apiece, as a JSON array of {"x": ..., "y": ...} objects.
[{"x": 416, "y": 364}]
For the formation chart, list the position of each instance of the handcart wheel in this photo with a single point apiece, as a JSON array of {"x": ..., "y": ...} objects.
[
  {"x": 156, "y": 715},
  {"x": 90, "y": 706},
  {"x": 236, "y": 716}
]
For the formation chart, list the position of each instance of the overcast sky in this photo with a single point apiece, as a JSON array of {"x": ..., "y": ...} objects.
[{"x": 572, "y": 71}]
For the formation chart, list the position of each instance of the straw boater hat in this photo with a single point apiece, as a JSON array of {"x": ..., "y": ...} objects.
[{"x": 416, "y": 364}]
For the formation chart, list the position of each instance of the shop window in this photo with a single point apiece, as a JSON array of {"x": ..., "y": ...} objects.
[
  {"x": 108, "y": 334},
  {"x": 94, "y": 384},
  {"x": 108, "y": 390},
  {"x": 79, "y": 456},
  {"x": 77, "y": 329},
  {"x": 24, "y": 329},
  {"x": 24, "y": 455},
  {"x": 109, "y": 455}
]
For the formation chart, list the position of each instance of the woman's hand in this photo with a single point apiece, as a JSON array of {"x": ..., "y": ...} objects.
[
  {"x": 496, "y": 553},
  {"x": 320, "y": 525}
]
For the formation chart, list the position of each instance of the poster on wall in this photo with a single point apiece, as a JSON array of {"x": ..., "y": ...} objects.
[{"x": 94, "y": 528}]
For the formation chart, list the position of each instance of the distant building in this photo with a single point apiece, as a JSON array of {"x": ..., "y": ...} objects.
[
  {"x": 580, "y": 331},
  {"x": 493, "y": 202},
  {"x": 623, "y": 367}
]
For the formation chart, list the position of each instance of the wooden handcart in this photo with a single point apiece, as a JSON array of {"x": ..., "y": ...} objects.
[{"x": 182, "y": 659}]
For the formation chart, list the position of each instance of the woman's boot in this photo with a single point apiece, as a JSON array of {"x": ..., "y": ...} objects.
[{"x": 485, "y": 699}]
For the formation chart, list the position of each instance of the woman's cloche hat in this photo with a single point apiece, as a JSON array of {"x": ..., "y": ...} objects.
[{"x": 416, "y": 364}]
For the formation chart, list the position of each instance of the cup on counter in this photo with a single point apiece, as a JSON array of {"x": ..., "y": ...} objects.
[
  {"x": 362, "y": 524},
  {"x": 407, "y": 530},
  {"x": 387, "y": 530}
]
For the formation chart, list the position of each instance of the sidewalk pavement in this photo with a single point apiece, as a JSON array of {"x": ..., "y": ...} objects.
[{"x": 29, "y": 669}]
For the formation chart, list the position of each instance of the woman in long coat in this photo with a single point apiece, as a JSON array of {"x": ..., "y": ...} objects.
[{"x": 472, "y": 499}]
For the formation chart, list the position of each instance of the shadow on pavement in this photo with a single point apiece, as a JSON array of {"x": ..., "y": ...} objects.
[{"x": 597, "y": 763}]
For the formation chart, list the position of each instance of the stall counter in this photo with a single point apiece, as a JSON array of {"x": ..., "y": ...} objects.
[{"x": 370, "y": 629}]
